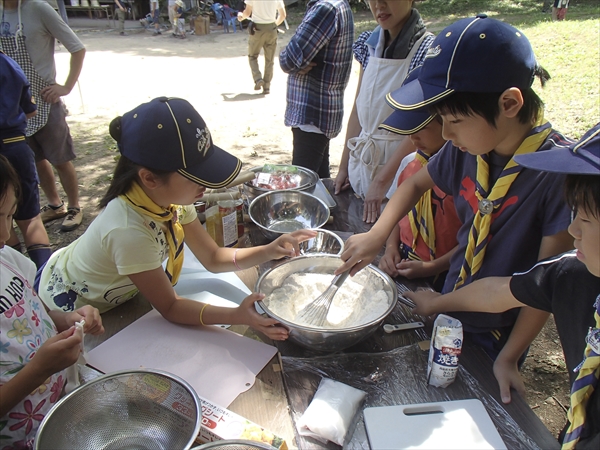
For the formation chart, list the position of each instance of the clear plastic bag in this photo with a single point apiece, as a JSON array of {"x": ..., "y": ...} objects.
[
  {"x": 394, "y": 377},
  {"x": 330, "y": 413}
]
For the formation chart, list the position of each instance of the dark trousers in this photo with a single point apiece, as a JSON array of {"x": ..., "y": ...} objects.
[{"x": 311, "y": 150}]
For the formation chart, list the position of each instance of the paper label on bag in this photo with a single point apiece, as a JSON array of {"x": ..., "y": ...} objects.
[{"x": 444, "y": 349}]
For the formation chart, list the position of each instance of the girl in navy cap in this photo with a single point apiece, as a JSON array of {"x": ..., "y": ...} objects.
[{"x": 167, "y": 159}]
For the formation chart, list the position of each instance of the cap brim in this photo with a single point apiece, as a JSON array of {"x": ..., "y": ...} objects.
[
  {"x": 216, "y": 171},
  {"x": 416, "y": 94},
  {"x": 407, "y": 122},
  {"x": 561, "y": 160}
]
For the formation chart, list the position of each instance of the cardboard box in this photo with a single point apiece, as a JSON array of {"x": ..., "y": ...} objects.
[
  {"x": 200, "y": 25},
  {"x": 219, "y": 423}
]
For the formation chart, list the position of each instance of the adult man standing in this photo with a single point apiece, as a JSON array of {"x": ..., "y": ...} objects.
[
  {"x": 121, "y": 7},
  {"x": 28, "y": 36},
  {"x": 266, "y": 15},
  {"x": 155, "y": 11},
  {"x": 318, "y": 60}
]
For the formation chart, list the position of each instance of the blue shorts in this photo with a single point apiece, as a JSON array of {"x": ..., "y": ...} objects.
[
  {"x": 155, "y": 15},
  {"x": 22, "y": 159}
]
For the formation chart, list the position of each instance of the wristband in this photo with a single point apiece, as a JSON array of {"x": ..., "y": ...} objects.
[
  {"x": 202, "y": 312},
  {"x": 234, "y": 260}
]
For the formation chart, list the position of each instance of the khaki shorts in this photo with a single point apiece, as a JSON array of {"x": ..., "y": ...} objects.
[{"x": 53, "y": 141}]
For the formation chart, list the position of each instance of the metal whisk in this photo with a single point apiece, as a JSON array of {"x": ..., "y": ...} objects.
[
  {"x": 315, "y": 313},
  {"x": 401, "y": 290}
]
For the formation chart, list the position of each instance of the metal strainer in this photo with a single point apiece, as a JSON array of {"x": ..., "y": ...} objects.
[
  {"x": 135, "y": 409},
  {"x": 235, "y": 444}
]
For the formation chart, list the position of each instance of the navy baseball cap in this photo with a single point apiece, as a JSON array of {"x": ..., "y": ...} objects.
[
  {"x": 406, "y": 122},
  {"x": 168, "y": 134},
  {"x": 476, "y": 54},
  {"x": 580, "y": 158}
]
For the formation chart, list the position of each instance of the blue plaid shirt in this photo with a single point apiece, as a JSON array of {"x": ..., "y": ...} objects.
[{"x": 324, "y": 37}]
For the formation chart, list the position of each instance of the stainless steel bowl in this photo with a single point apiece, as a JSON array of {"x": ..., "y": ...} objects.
[
  {"x": 141, "y": 409},
  {"x": 324, "y": 242},
  {"x": 235, "y": 444},
  {"x": 279, "y": 212},
  {"x": 308, "y": 181},
  {"x": 320, "y": 339}
]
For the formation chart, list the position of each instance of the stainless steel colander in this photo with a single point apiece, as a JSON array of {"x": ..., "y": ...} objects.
[
  {"x": 235, "y": 444},
  {"x": 136, "y": 409}
]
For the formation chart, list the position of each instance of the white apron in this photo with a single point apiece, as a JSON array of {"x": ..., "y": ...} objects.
[{"x": 373, "y": 148}]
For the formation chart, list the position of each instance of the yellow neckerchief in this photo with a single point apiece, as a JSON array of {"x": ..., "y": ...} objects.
[
  {"x": 421, "y": 218},
  {"x": 492, "y": 201},
  {"x": 584, "y": 384},
  {"x": 138, "y": 200}
]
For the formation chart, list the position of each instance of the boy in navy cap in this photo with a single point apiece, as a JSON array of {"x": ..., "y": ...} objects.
[
  {"x": 477, "y": 76},
  {"x": 422, "y": 243},
  {"x": 567, "y": 286},
  {"x": 16, "y": 106}
]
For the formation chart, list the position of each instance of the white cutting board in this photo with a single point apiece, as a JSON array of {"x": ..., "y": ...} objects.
[
  {"x": 218, "y": 363},
  {"x": 459, "y": 424}
]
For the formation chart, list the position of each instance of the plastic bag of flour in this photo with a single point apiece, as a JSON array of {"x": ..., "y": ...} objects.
[
  {"x": 445, "y": 346},
  {"x": 330, "y": 413}
]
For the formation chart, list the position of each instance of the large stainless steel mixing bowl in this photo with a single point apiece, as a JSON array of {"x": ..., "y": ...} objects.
[
  {"x": 279, "y": 212},
  {"x": 321, "y": 339}
]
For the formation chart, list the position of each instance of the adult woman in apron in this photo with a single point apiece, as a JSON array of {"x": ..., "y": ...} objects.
[{"x": 386, "y": 55}]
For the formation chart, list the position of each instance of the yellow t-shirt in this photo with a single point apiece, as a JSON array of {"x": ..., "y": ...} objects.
[{"x": 94, "y": 269}]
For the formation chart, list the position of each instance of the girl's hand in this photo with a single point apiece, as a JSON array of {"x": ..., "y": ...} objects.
[
  {"x": 58, "y": 352},
  {"x": 247, "y": 314},
  {"x": 93, "y": 321},
  {"x": 389, "y": 261},
  {"x": 288, "y": 244}
]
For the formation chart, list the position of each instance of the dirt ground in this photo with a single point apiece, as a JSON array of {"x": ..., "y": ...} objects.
[{"x": 212, "y": 72}]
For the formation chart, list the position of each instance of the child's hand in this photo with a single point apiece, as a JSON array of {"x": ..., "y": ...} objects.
[
  {"x": 359, "y": 251},
  {"x": 58, "y": 352},
  {"x": 508, "y": 376},
  {"x": 424, "y": 301},
  {"x": 287, "y": 244},
  {"x": 91, "y": 315},
  {"x": 415, "y": 269},
  {"x": 389, "y": 260},
  {"x": 247, "y": 314}
]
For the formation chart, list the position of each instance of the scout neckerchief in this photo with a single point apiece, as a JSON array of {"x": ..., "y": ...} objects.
[
  {"x": 14, "y": 47},
  {"x": 584, "y": 384},
  {"x": 137, "y": 198},
  {"x": 421, "y": 218},
  {"x": 490, "y": 201}
]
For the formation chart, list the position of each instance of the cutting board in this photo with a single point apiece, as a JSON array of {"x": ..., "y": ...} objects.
[
  {"x": 459, "y": 424},
  {"x": 218, "y": 363}
]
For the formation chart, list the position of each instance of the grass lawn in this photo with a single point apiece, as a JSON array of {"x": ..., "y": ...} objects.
[{"x": 569, "y": 50}]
